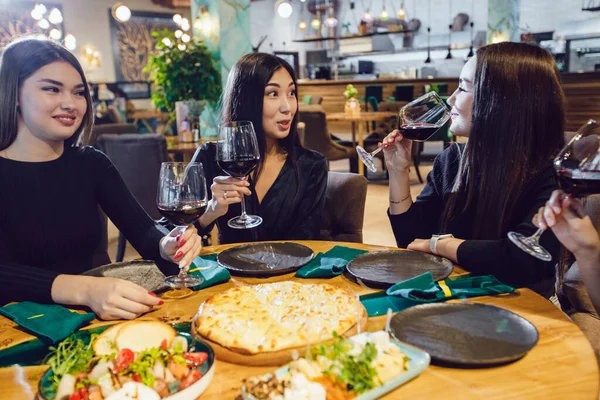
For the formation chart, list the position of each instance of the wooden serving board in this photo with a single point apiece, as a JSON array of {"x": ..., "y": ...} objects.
[{"x": 274, "y": 358}]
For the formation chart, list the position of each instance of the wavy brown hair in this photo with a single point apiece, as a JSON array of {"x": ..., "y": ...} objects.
[
  {"x": 517, "y": 128},
  {"x": 21, "y": 59}
]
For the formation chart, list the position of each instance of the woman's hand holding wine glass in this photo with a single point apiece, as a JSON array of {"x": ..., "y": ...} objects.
[
  {"x": 572, "y": 227},
  {"x": 397, "y": 152},
  {"x": 181, "y": 199},
  {"x": 181, "y": 246},
  {"x": 225, "y": 190}
]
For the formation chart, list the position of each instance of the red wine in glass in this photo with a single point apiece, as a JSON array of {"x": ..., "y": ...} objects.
[
  {"x": 579, "y": 184},
  {"x": 418, "y": 131},
  {"x": 577, "y": 168},
  {"x": 240, "y": 167},
  {"x": 183, "y": 214}
]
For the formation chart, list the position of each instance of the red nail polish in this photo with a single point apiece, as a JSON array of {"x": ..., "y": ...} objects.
[
  {"x": 181, "y": 243},
  {"x": 179, "y": 254},
  {"x": 152, "y": 294},
  {"x": 160, "y": 303}
]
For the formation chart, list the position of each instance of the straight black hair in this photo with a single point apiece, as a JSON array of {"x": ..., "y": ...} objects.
[
  {"x": 243, "y": 100},
  {"x": 517, "y": 128}
]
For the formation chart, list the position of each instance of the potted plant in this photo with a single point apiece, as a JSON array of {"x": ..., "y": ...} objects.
[
  {"x": 183, "y": 72},
  {"x": 352, "y": 106}
]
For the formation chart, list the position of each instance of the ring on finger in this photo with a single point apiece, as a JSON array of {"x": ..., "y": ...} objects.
[{"x": 225, "y": 195}]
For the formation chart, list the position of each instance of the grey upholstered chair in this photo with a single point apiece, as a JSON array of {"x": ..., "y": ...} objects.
[
  {"x": 317, "y": 137},
  {"x": 345, "y": 199},
  {"x": 138, "y": 159}
]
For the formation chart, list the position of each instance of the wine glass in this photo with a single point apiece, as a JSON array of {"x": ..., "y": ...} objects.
[
  {"x": 418, "y": 120},
  {"x": 577, "y": 166},
  {"x": 238, "y": 155},
  {"x": 181, "y": 199}
]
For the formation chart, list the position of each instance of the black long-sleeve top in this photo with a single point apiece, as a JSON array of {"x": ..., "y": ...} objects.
[
  {"x": 50, "y": 222},
  {"x": 497, "y": 257},
  {"x": 291, "y": 209}
]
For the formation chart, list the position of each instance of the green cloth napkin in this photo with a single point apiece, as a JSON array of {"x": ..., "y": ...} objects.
[
  {"x": 423, "y": 289},
  {"x": 50, "y": 322},
  {"x": 329, "y": 264},
  {"x": 209, "y": 269}
]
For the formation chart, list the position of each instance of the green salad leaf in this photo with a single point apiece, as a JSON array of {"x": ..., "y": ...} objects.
[
  {"x": 355, "y": 372},
  {"x": 70, "y": 356}
]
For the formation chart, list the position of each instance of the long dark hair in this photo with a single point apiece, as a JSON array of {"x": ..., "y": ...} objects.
[
  {"x": 243, "y": 100},
  {"x": 21, "y": 59},
  {"x": 517, "y": 128}
]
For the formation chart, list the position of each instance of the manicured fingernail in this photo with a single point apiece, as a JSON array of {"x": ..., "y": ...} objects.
[
  {"x": 178, "y": 255},
  {"x": 181, "y": 243},
  {"x": 177, "y": 238},
  {"x": 152, "y": 294},
  {"x": 160, "y": 303}
]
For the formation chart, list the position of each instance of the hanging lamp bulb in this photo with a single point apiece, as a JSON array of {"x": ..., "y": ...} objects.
[{"x": 384, "y": 16}]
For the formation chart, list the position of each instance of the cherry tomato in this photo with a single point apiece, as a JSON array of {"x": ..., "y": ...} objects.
[
  {"x": 83, "y": 393},
  {"x": 191, "y": 377},
  {"x": 163, "y": 344},
  {"x": 124, "y": 358},
  {"x": 75, "y": 396},
  {"x": 136, "y": 377},
  {"x": 195, "y": 359}
]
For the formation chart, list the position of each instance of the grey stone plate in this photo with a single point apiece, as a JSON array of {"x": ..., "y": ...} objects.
[
  {"x": 465, "y": 334},
  {"x": 141, "y": 272},
  {"x": 383, "y": 269},
  {"x": 265, "y": 259}
]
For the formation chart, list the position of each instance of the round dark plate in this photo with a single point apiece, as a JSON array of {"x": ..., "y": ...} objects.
[
  {"x": 386, "y": 268},
  {"x": 465, "y": 334},
  {"x": 141, "y": 272},
  {"x": 265, "y": 259}
]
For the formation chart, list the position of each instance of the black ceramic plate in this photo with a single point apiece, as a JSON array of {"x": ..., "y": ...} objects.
[
  {"x": 265, "y": 259},
  {"x": 386, "y": 268},
  {"x": 143, "y": 273},
  {"x": 465, "y": 334}
]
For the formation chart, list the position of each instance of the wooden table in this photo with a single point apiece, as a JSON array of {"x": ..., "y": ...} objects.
[
  {"x": 561, "y": 366},
  {"x": 187, "y": 149},
  {"x": 145, "y": 115},
  {"x": 359, "y": 121}
]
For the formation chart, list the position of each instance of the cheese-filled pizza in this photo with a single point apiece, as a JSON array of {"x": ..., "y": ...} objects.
[{"x": 276, "y": 316}]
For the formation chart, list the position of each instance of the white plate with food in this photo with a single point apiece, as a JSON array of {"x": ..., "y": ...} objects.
[
  {"x": 264, "y": 324},
  {"x": 362, "y": 367},
  {"x": 142, "y": 359}
]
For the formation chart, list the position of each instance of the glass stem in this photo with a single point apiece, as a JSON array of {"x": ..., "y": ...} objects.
[
  {"x": 182, "y": 272},
  {"x": 536, "y": 236},
  {"x": 375, "y": 152},
  {"x": 244, "y": 216}
]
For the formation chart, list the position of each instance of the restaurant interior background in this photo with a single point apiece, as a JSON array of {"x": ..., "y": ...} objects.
[{"x": 389, "y": 47}]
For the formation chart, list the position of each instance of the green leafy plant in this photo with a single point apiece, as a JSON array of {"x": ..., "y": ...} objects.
[
  {"x": 180, "y": 73},
  {"x": 350, "y": 92}
]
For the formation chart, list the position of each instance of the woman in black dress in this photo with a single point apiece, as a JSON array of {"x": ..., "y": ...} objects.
[
  {"x": 509, "y": 104},
  {"x": 287, "y": 189},
  {"x": 51, "y": 190}
]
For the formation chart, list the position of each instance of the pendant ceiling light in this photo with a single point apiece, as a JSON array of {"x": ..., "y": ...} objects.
[
  {"x": 449, "y": 56},
  {"x": 402, "y": 12},
  {"x": 471, "y": 24},
  {"x": 302, "y": 23},
  {"x": 428, "y": 60}
]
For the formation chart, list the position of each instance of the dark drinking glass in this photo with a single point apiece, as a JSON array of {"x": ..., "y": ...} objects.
[
  {"x": 181, "y": 199},
  {"x": 578, "y": 170},
  {"x": 418, "y": 121},
  {"x": 238, "y": 155}
]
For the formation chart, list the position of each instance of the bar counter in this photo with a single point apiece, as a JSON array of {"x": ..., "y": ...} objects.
[{"x": 581, "y": 90}]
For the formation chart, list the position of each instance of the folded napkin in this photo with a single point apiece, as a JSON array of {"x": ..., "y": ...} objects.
[
  {"x": 329, "y": 264},
  {"x": 50, "y": 322},
  {"x": 209, "y": 269},
  {"x": 423, "y": 289}
]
